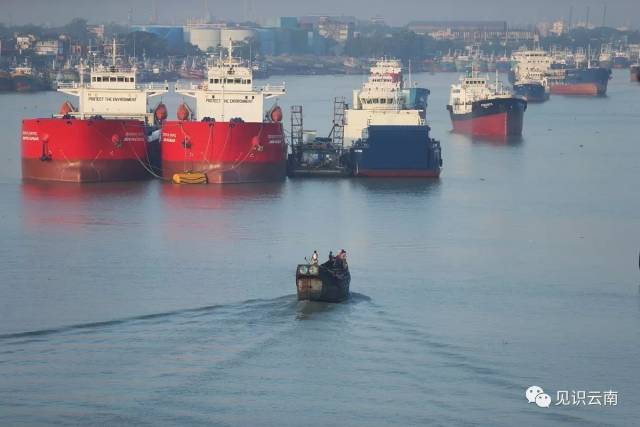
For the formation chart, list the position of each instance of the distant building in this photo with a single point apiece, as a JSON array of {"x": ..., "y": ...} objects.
[
  {"x": 97, "y": 31},
  {"x": 338, "y": 31},
  {"x": 49, "y": 48},
  {"x": 474, "y": 31},
  {"x": 172, "y": 35},
  {"x": 24, "y": 42},
  {"x": 378, "y": 20},
  {"x": 558, "y": 28},
  {"x": 426, "y": 27}
]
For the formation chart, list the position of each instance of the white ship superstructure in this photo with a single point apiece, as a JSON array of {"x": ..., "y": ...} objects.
[
  {"x": 228, "y": 92},
  {"x": 382, "y": 100},
  {"x": 473, "y": 88},
  {"x": 531, "y": 66},
  {"x": 113, "y": 93}
]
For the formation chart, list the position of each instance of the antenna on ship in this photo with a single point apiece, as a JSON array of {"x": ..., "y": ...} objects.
[
  {"x": 230, "y": 50},
  {"x": 113, "y": 52}
]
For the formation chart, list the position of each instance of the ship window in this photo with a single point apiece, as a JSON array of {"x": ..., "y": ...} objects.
[
  {"x": 210, "y": 80},
  {"x": 99, "y": 79},
  {"x": 249, "y": 81},
  {"x": 120, "y": 78},
  {"x": 112, "y": 79},
  {"x": 237, "y": 81},
  {"x": 216, "y": 80},
  {"x": 93, "y": 79}
]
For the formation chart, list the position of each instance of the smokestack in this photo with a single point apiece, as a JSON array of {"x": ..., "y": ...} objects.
[{"x": 587, "y": 20}]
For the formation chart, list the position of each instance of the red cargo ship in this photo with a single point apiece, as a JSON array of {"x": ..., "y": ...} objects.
[
  {"x": 106, "y": 139},
  {"x": 480, "y": 109},
  {"x": 231, "y": 139}
]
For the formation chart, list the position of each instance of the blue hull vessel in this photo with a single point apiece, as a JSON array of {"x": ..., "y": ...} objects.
[{"x": 396, "y": 151}]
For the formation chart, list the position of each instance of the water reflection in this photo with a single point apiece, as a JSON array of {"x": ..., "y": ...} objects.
[
  {"x": 211, "y": 194},
  {"x": 306, "y": 310},
  {"x": 499, "y": 141},
  {"x": 409, "y": 186},
  {"x": 79, "y": 205}
]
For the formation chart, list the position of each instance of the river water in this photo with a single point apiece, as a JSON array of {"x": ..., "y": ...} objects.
[{"x": 154, "y": 304}]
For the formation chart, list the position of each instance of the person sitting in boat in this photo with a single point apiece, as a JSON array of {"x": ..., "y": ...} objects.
[
  {"x": 331, "y": 257},
  {"x": 314, "y": 258},
  {"x": 341, "y": 259}
]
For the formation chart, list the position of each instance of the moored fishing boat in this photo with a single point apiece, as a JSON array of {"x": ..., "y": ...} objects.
[{"x": 231, "y": 139}]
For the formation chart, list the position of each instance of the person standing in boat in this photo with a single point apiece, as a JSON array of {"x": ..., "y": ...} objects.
[{"x": 314, "y": 258}]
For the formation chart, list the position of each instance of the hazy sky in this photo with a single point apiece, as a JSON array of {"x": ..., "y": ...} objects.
[{"x": 397, "y": 12}]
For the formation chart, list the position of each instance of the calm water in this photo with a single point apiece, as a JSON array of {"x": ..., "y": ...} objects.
[{"x": 153, "y": 304}]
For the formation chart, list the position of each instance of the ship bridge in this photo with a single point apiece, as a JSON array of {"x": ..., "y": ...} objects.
[
  {"x": 384, "y": 100},
  {"x": 113, "y": 92},
  {"x": 228, "y": 92}
]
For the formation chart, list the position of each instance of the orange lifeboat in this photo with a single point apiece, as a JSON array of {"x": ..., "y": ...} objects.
[{"x": 67, "y": 108}]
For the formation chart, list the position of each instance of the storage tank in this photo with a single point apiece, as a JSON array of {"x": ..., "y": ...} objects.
[
  {"x": 204, "y": 37},
  {"x": 235, "y": 34}
]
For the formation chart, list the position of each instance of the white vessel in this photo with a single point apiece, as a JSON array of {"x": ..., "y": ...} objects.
[
  {"x": 386, "y": 127},
  {"x": 384, "y": 100}
]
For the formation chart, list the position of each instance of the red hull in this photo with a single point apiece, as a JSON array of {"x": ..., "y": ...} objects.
[
  {"x": 226, "y": 152},
  {"x": 493, "y": 125},
  {"x": 75, "y": 150},
  {"x": 587, "y": 89}
]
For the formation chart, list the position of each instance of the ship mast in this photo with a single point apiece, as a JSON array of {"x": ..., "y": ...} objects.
[{"x": 113, "y": 52}]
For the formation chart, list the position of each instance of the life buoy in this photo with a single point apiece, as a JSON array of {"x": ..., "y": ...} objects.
[{"x": 276, "y": 114}]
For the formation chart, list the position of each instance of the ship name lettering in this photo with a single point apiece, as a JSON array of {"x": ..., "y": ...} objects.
[
  {"x": 30, "y": 136},
  {"x": 169, "y": 137}
]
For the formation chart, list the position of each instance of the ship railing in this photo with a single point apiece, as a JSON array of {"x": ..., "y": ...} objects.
[
  {"x": 148, "y": 117},
  {"x": 274, "y": 89},
  {"x": 189, "y": 86},
  {"x": 69, "y": 85},
  {"x": 145, "y": 86},
  {"x": 154, "y": 86}
]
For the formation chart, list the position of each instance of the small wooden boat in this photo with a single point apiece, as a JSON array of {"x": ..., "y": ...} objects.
[{"x": 327, "y": 282}]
